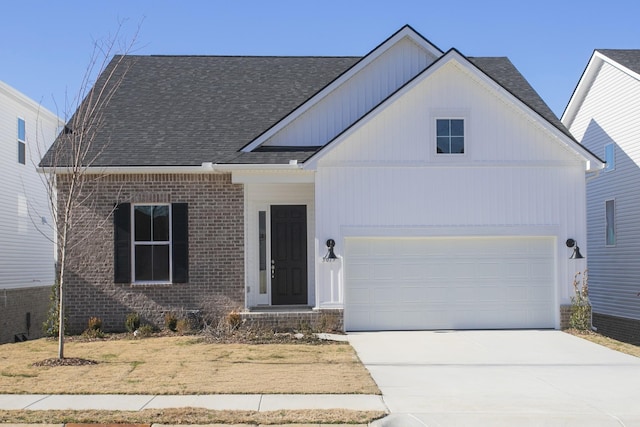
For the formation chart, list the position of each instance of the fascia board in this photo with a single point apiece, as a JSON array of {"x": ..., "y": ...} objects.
[
  {"x": 28, "y": 102},
  {"x": 202, "y": 169},
  {"x": 582, "y": 88},
  {"x": 405, "y": 31},
  {"x": 272, "y": 177},
  {"x": 592, "y": 161},
  {"x": 585, "y": 82}
]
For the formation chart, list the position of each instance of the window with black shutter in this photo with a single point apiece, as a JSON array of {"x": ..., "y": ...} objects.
[{"x": 151, "y": 243}]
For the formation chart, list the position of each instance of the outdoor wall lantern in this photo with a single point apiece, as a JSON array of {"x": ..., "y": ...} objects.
[
  {"x": 576, "y": 250},
  {"x": 330, "y": 256}
]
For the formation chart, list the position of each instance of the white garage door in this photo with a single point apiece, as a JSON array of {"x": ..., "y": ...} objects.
[{"x": 449, "y": 283}]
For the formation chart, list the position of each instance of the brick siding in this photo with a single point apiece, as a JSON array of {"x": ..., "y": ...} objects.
[
  {"x": 14, "y": 306},
  {"x": 216, "y": 248},
  {"x": 619, "y": 328},
  {"x": 330, "y": 320},
  {"x": 565, "y": 316}
]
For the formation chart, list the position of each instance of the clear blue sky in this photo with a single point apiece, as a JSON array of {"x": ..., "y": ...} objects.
[{"x": 45, "y": 46}]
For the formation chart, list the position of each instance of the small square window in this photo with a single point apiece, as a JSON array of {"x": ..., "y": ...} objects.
[
  {"x": 610, "y": 222},
  {"x": 609, "y": 157},
  {"x": 450, "y": 136}
]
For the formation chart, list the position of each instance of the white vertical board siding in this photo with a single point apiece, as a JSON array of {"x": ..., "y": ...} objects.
[
  {"x": 260, "y": 197},
  {"x": 346, "y": 104},
  {"x": 384, "y": 179},
  {"x": 26, "y": 254},
  {"x": 610, "y": 113}
]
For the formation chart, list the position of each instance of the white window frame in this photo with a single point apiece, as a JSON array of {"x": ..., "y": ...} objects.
[
  {"x": 464, "y": 136},
  {"x": 606, "y": 223},
  {"x": 22, "y": 142},
  {"x": 135, "y": 243},
  {"x": 610, "y": 160}
]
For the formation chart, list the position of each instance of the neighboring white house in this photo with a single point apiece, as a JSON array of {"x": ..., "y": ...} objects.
[
  {"x": 26, "y": 254},
  {"x": 445, "y": 187},
  {"x": 604, "y": 115}
]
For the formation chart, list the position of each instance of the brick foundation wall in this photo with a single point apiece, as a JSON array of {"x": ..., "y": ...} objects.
[
  {"x": 619, "y": 328},
  {"x": 565, "y": 316},
  {"x": 216, "y": 249},
  {"x": 317, "y": 320},
  {"x": 14, "y": 306}
]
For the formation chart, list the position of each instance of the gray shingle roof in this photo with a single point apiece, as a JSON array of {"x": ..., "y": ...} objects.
[
  {"x": 502, "y": 70},
  {"x": 629, "y": 58},
  {"x": 186, "y": 110}
]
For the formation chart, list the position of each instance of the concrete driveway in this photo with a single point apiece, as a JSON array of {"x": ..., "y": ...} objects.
[{"x": 500, "y": 378}]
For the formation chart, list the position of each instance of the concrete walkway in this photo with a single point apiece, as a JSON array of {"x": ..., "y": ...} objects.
[
  {"x": 500, "y": 378},
  {"x": 240, "y": 402}
]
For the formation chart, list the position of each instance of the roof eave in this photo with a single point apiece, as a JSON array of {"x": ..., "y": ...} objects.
[{"x": 204, "y": 168}]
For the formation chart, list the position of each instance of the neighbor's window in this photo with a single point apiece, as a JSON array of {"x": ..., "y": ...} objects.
[
  {"x": 610, "y": 219},
  {"x": 152, "y": 243},
  {"x": 22, "y": 138},
  {"x": 450, "y": 136},
  {"x": 610, "y": 157}
]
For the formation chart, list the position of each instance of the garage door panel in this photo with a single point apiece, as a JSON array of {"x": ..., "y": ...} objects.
[{"x": 449, "y": 283}]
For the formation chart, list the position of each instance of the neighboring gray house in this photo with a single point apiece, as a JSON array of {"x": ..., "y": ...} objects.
[
  {"x": 411, "y": 188},
  {"x": 604, "y": 115},
  {"x": 26, "y": 240}
]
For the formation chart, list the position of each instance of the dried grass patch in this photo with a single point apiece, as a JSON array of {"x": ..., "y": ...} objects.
[
  {"x": 184, "y": 365},
  {"x": 620, "y": 346},
  {"x": 192, "y": 416}
]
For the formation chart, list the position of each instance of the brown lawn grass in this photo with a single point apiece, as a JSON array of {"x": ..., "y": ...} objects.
[
  {"x": 192, "y": 416},
  {"x": 620, "y": 346},
  {"x": 184, "y": 365}
]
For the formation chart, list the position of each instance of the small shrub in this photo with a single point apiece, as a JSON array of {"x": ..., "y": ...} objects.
[
  {"x": 170, "y": 321},
  {"x": 234, "y": 320},
  {"x": 183, "y": 326},
  {"x": 50, "y": 325},
  {"x": 580, "y": 305},
  {"x": 132, "y": 322},
  {"x": 94, "y": 328},
  {"x": 95, "y": 323}
]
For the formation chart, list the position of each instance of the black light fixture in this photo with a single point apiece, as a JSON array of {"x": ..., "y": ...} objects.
[
  {"x": 330, "y": 256},
  {"x": 576, "y": 250}
]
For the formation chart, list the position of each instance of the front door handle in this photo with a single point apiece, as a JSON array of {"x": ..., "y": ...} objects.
[{"x": 273, "y": 269}]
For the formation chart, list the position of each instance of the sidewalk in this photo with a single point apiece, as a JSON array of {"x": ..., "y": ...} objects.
[{"x": 239, "y": 402}]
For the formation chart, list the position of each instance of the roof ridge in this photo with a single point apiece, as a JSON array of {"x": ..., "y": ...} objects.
[{"x": 244, "y": 56}]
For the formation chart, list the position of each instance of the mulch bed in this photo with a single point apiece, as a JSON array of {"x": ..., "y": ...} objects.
[{"x": 67, "y": 361}]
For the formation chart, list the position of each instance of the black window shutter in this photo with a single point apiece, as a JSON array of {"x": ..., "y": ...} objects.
[
  {"x": 122, "y": 243},
  {"x": 180, "y": 241}
]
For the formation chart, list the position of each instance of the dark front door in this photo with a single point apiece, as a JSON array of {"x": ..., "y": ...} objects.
[{"x": 288, "y": 254}]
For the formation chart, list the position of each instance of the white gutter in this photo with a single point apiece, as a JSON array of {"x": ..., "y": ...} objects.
[{"x": 205, "y": 167}]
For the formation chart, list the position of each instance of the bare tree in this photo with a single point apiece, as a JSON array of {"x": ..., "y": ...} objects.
[{"x": 70, "y": 164}]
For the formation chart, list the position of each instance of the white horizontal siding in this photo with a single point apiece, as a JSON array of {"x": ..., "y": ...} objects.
[
  {"x": 610, "y": 113},
  {"x": 355, "y": 97},
  {"x": 26, "y": 255},
  {"x": 516, "y": 178}
]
